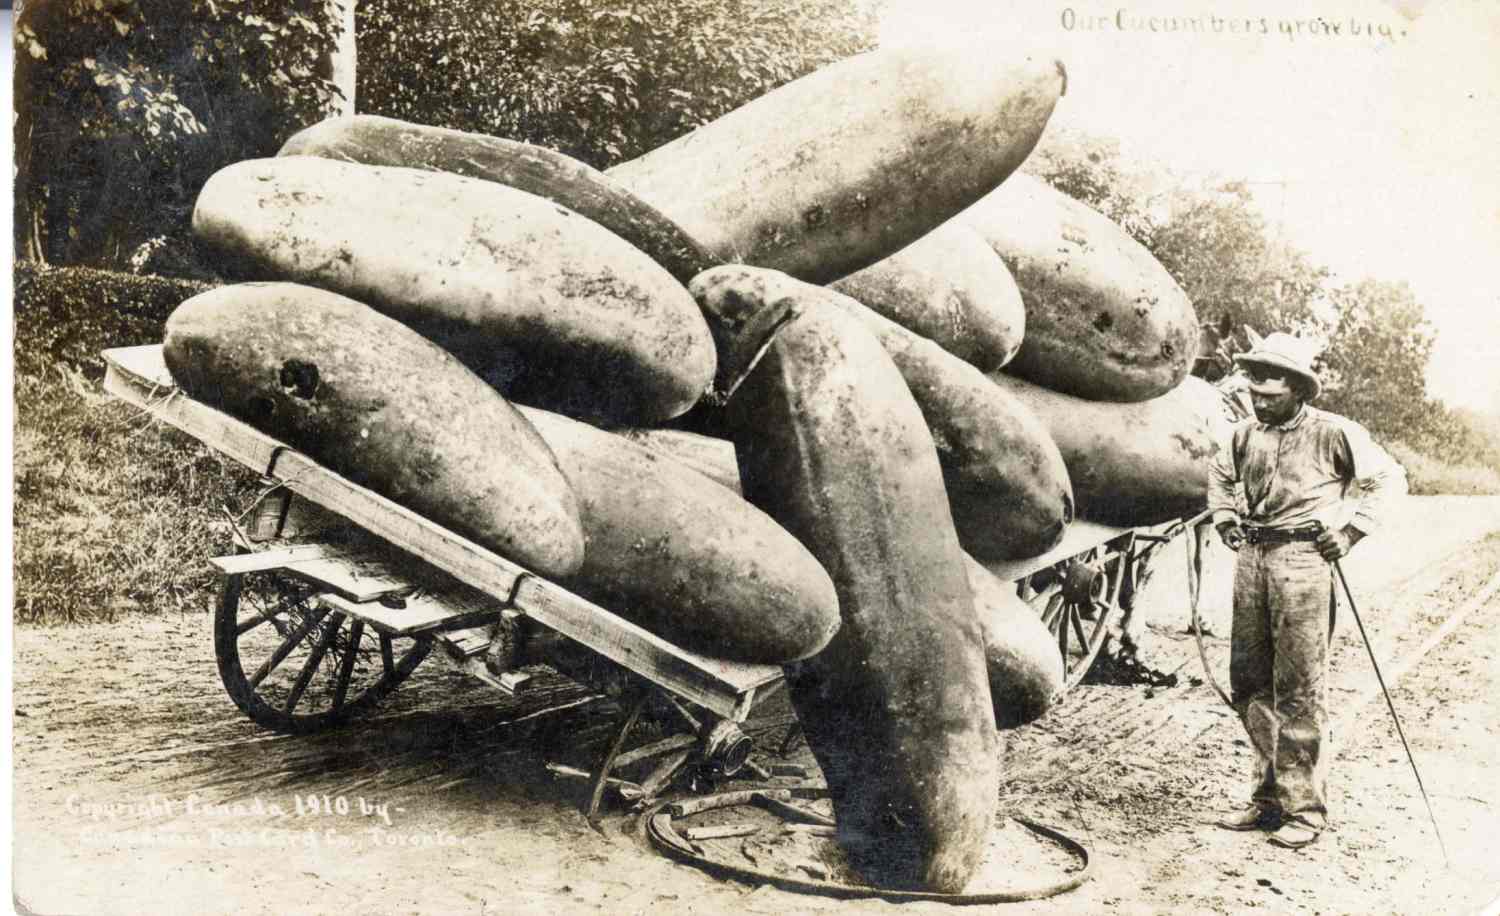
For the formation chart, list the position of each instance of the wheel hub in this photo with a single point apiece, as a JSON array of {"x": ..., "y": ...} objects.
[{"x": 1083, "y": 583}]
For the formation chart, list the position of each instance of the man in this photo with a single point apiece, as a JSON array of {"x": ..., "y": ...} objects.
[{"x": 1315, "y": 485}]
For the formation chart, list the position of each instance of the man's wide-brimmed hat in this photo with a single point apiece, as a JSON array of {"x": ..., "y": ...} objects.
[{"x": 1292, "y": 354}]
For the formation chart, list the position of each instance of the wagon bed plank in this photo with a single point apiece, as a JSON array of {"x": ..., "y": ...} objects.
[
  {"x": 467, "y": 642},
  {"x": 358, "y": 578},
  {"x": 417, "y": 615},
  {"x": 138, "y": 376},
  {"x": 239, "y": 563}
]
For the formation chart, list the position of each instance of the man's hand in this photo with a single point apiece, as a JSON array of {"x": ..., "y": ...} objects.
[
  {"x": 1335, "y": 545},
  {"x": 1231, "y": 534}
]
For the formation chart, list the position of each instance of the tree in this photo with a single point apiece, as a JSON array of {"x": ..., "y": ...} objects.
[
  {"x": 125, "y": 107},
  {"x": 600, "y": 80},
  {"x": 1375, "y": 365}
]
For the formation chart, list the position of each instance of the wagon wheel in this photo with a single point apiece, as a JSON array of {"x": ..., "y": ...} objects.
[
  {"x": 1077, "y": 601},
  {"x": 294, "y": 665}
]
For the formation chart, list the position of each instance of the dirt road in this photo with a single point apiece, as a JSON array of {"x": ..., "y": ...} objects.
[{"x": 140, "y": 788}]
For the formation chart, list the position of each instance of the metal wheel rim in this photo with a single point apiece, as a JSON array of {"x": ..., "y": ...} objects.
[{"x": 309, "y": 667}]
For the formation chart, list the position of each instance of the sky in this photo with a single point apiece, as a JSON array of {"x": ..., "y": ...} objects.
[{"x": 1373, "y": 146}]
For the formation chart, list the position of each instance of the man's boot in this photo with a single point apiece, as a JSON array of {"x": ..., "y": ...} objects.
[
  {"x": 1297, "y": 830},
  {"x": 1251, "y": 817}
]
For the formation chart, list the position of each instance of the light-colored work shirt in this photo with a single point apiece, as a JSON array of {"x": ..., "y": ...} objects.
[{"x": 1317, "y": 466}]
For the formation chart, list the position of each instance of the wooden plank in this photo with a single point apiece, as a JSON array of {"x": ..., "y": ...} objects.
[
  {"x": 131, "y": 376},
  {"x": 627, "y": 788},
  {"x": 143, "y": 363},
  {"x": 721, "y": 831},
  {"x": 744, "y": 705},
  {"x": 418, "y": 616},
  {"x": 357, "y": 577},
  {"x": 237, "y": 563},
  {"x": 474, "y": 667},
  {"x": 515, "y": 681},
  {"x": 700, "y": 680},
  {"x": 467, "y": 642},
  {"x": 137, "y": 376}
]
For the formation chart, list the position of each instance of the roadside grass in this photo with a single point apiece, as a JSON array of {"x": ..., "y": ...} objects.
[
  {"x": 113, "y": 513},
  {"x": 1429, "y": 476}
]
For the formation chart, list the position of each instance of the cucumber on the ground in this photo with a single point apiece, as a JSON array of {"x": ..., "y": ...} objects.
[
  {"x": 1006, "y": 484},
  {"x": 386, "y": 408},
  {"x": 836, "y": 170},
  {"x": 1132, "y": 464},
  {"x": 951, "y": 288},
  {"x": 1104, "y": 319},
  {"x": 897, "y": 707},
  {"x": 685, "y": 557},
  {"x": 552, "y": 308},
  {"x": 374, "y": 140}
]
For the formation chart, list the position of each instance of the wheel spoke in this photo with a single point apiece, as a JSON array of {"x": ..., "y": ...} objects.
[
  {"x": 1083, "y": 641},
  {"x": 346, "y": 669},
  {"x": 1049, "y": 616},
  {"x": 287, "y": 645},
  {"x": 1062, "y": 631},
  {"x": 1112, "y": 588},
  {"x": 304, "y": 677},
  {"x": 265, "y": 610},
  {"x": 250, "y": 623},
  {"x": 387, "y": 661},
  {"x": 1024, "y": 589}
]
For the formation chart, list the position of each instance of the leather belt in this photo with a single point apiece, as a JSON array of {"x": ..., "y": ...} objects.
[{"x": 1260, "y": 534}]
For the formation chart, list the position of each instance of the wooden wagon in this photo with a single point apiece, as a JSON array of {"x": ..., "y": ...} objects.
[{"x": 336, "y": 594}]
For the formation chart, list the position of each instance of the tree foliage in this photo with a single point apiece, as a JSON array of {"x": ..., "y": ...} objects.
[
  {"x": 601, "y": 80},
  {"x": 125, "y": 107},
  {"x": 1375, "y": 364}
]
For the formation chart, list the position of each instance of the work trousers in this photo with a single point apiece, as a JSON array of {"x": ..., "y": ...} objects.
[{"x": 1278, "y": 672}]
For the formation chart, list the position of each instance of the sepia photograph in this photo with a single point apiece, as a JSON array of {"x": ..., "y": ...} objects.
[{"x": 753, "y": 456}]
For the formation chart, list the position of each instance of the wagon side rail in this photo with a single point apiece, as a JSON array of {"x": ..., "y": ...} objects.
[{"x": 138, "y": 376}]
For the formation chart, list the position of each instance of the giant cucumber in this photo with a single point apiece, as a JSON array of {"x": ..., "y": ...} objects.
[
  {"x": 1025, "y": 668},
  {"x": 379, "y": 404},
  {"x": 951, "y": 288},
  {"x": 1140, "y": 463},
  {"x": 551, "y": 307},
  {"x": 685, "y": 557},
  {"x": 896, "y": 708},
  {"x": 842, "y": 167},
  {"x": 1005, "y": 480},
  {"x": 1104, "y": 319},
  {"x": 374, "y": 140}
]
